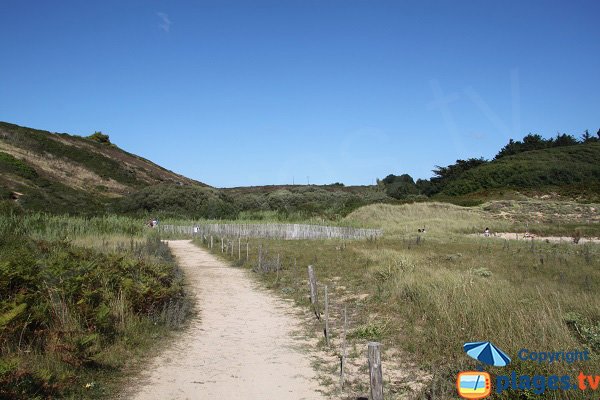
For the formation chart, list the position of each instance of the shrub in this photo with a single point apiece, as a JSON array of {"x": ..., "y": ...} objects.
[
  {"x": 66, "y": 306},
  {"x": 100, "y": 138}
]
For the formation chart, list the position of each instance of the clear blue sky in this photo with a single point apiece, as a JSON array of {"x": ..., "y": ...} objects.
[{"x": 236, "y": 93}]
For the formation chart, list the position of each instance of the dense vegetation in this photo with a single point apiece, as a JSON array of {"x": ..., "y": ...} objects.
[
  {"x": 71, "y": 317},
  {"x": 176, "y": 200},
  {"x": 537, "y": 142},
  {"x": 301, "y": 202},
  {"x": 563, "y": 165},
  {"x": 574, "y": 167}
]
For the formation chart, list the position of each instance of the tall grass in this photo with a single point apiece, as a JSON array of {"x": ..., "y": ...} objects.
[{"x": 427, "y": 294}]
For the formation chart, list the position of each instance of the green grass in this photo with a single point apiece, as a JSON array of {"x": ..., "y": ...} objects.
[
  {"x": 9, "y": 164},
  {"x": 428, "y": 294}
]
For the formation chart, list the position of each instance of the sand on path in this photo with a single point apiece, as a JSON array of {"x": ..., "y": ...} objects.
[{"x": 241, "y": 345}]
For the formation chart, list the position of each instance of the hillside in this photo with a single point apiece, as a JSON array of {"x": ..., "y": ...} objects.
[
  {"x": 572, "y": 171},
  {"x": 63, "y": 173},
  {"x": 66, "y": 173}
]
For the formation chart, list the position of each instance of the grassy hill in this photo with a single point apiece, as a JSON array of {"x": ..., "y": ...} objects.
[
  {"x": 572, "y": 171},
  {"x": 72, "y": 174},
  {"x": 61, "y": 173}
]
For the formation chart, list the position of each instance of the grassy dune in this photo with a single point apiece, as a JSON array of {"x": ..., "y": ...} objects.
[{"x": 427, "y": 294}]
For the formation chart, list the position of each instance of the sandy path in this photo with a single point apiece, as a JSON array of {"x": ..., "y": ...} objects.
[{"x": 241, "y": 345}]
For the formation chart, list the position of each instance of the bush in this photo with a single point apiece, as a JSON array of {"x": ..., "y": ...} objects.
[
  {"x": 68, "y": 305},
  {"x": 100, "y": 138},
  {"x": 179, "y": 201}
]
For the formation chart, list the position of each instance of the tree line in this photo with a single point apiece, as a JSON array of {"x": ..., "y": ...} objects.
[{"x": 404, "y": 187}]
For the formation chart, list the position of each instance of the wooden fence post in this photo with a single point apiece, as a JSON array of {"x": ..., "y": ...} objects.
[
  {"x": 211, "y": 242},
  {"x": 222, "y": 244},
  {"x": 344, "y": 351},
  {"x": 375, "y": 371},
  {"x": 312, "y": 281},
  {"x": 239, "y": 248},
  {"x": 326, "y": 317},
  {"x": 247, "y": 251}
]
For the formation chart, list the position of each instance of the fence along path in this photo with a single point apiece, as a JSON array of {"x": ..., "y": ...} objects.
[{"x": 275, "y": 231}]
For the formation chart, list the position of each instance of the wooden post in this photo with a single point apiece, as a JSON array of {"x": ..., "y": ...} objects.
[
  {"x": 375, "y": 372},
  {"x": 222, "y": 244},
  {"x": 312, "y": 281},
  {"x": 211, "y": 242},
  {"x": 326, "y": 317},
  {"x": 247, "y": 251},
  {"x": 344, "y": 351},
  {"x": 239, "y": 248}
]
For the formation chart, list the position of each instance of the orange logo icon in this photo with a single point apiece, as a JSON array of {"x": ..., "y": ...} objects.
[{"x": 473, "y": 385}]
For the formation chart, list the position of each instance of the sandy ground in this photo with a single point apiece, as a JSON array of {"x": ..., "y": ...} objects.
[
  {"x": 240, "y": 346},
  {"x": 553, "y": 239}
]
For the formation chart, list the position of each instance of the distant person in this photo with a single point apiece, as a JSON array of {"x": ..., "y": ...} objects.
[{"x": 486, "y": 232}]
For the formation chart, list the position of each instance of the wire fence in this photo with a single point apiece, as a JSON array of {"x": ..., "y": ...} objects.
[{"x": 274, "y": 231}]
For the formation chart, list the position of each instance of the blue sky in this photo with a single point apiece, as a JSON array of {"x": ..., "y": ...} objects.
[{"x": 237, "y": 93}]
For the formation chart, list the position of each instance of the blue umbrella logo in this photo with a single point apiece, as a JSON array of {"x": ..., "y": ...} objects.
[{"x": 487, "y": 353}]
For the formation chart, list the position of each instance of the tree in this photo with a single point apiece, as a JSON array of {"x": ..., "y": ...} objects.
[
  {"x": 511, "y": 148},
  {"x": 453, "y": 171},
  {"x": 534, "y": 142},
  {"x": 400, "y": 187},
  {"x": 564, "y": 140},
  {"x": 426, "y": 187},
  {"x": 588, "y": 138}
]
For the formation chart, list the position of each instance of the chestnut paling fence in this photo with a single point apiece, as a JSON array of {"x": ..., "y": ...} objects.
[{"x": 274, "y": 231}]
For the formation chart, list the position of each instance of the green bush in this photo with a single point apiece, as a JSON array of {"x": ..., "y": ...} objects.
[
  {"x": 68, "y": 305},
  {"x": 100, "y": 138},
  {"x": 179, "y": 201}
]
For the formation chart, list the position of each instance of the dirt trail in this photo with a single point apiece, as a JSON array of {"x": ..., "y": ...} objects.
[{"x": 241, "y": 345}]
